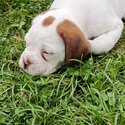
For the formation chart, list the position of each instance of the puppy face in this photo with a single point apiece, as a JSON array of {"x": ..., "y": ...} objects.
[
  {"x": 45, "y": 51},
  {"x": 50, "y": 43}
]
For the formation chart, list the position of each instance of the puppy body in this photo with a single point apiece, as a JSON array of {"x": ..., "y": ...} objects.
[
  {"x": 67, "y": 30},
  {"x": 96, "y": 19}
]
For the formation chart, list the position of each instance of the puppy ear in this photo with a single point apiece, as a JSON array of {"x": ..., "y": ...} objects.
[{"x": 76, "y": 44}]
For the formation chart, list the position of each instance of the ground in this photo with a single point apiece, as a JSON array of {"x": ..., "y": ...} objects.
[{"x": 90, "y": 93}]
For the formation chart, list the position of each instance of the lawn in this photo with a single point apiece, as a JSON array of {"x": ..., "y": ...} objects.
[{"x": 90, "y": 93}]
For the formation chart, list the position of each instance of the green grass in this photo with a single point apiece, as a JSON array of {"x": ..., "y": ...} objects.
[{"x": 90, "y": 93}]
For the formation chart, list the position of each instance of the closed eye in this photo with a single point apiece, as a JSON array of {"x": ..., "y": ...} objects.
[{"x": 45, "y": 55}]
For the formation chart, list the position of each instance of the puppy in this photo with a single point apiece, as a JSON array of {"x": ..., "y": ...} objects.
[{"x": 71, "y": 29}]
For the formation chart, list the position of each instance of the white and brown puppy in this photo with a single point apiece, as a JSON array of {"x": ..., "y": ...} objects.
[{"x": 65, "y": 32}]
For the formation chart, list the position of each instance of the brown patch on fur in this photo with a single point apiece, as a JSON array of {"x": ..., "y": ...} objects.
[
  {"x": 76, "y": 44},
  {"x": 48, "y": 21}
]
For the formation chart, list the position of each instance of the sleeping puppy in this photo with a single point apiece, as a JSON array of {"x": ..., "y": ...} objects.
[{"x": 66, "y": 32}]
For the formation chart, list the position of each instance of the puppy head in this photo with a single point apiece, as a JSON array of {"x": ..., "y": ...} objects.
[
  {"x": 50, "y": 44},
  {"x": 44, "y": 52}
]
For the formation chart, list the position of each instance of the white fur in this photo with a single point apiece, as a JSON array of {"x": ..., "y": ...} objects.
[{"x": 99, "y": 19}]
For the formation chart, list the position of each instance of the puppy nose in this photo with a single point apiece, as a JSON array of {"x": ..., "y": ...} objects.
[{"x": 27, "y": 63}]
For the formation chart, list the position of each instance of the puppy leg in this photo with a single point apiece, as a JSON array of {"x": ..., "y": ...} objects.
[{"x": 105, "y": 42}]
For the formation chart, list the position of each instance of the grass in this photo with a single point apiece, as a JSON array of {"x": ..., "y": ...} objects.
[{"x": 90, "y": 93}]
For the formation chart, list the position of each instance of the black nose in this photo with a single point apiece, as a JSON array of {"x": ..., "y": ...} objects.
[{"x": 27, "y": 63}]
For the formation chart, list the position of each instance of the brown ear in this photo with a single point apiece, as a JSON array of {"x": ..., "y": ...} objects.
[{"x": 76, "y": 44}]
